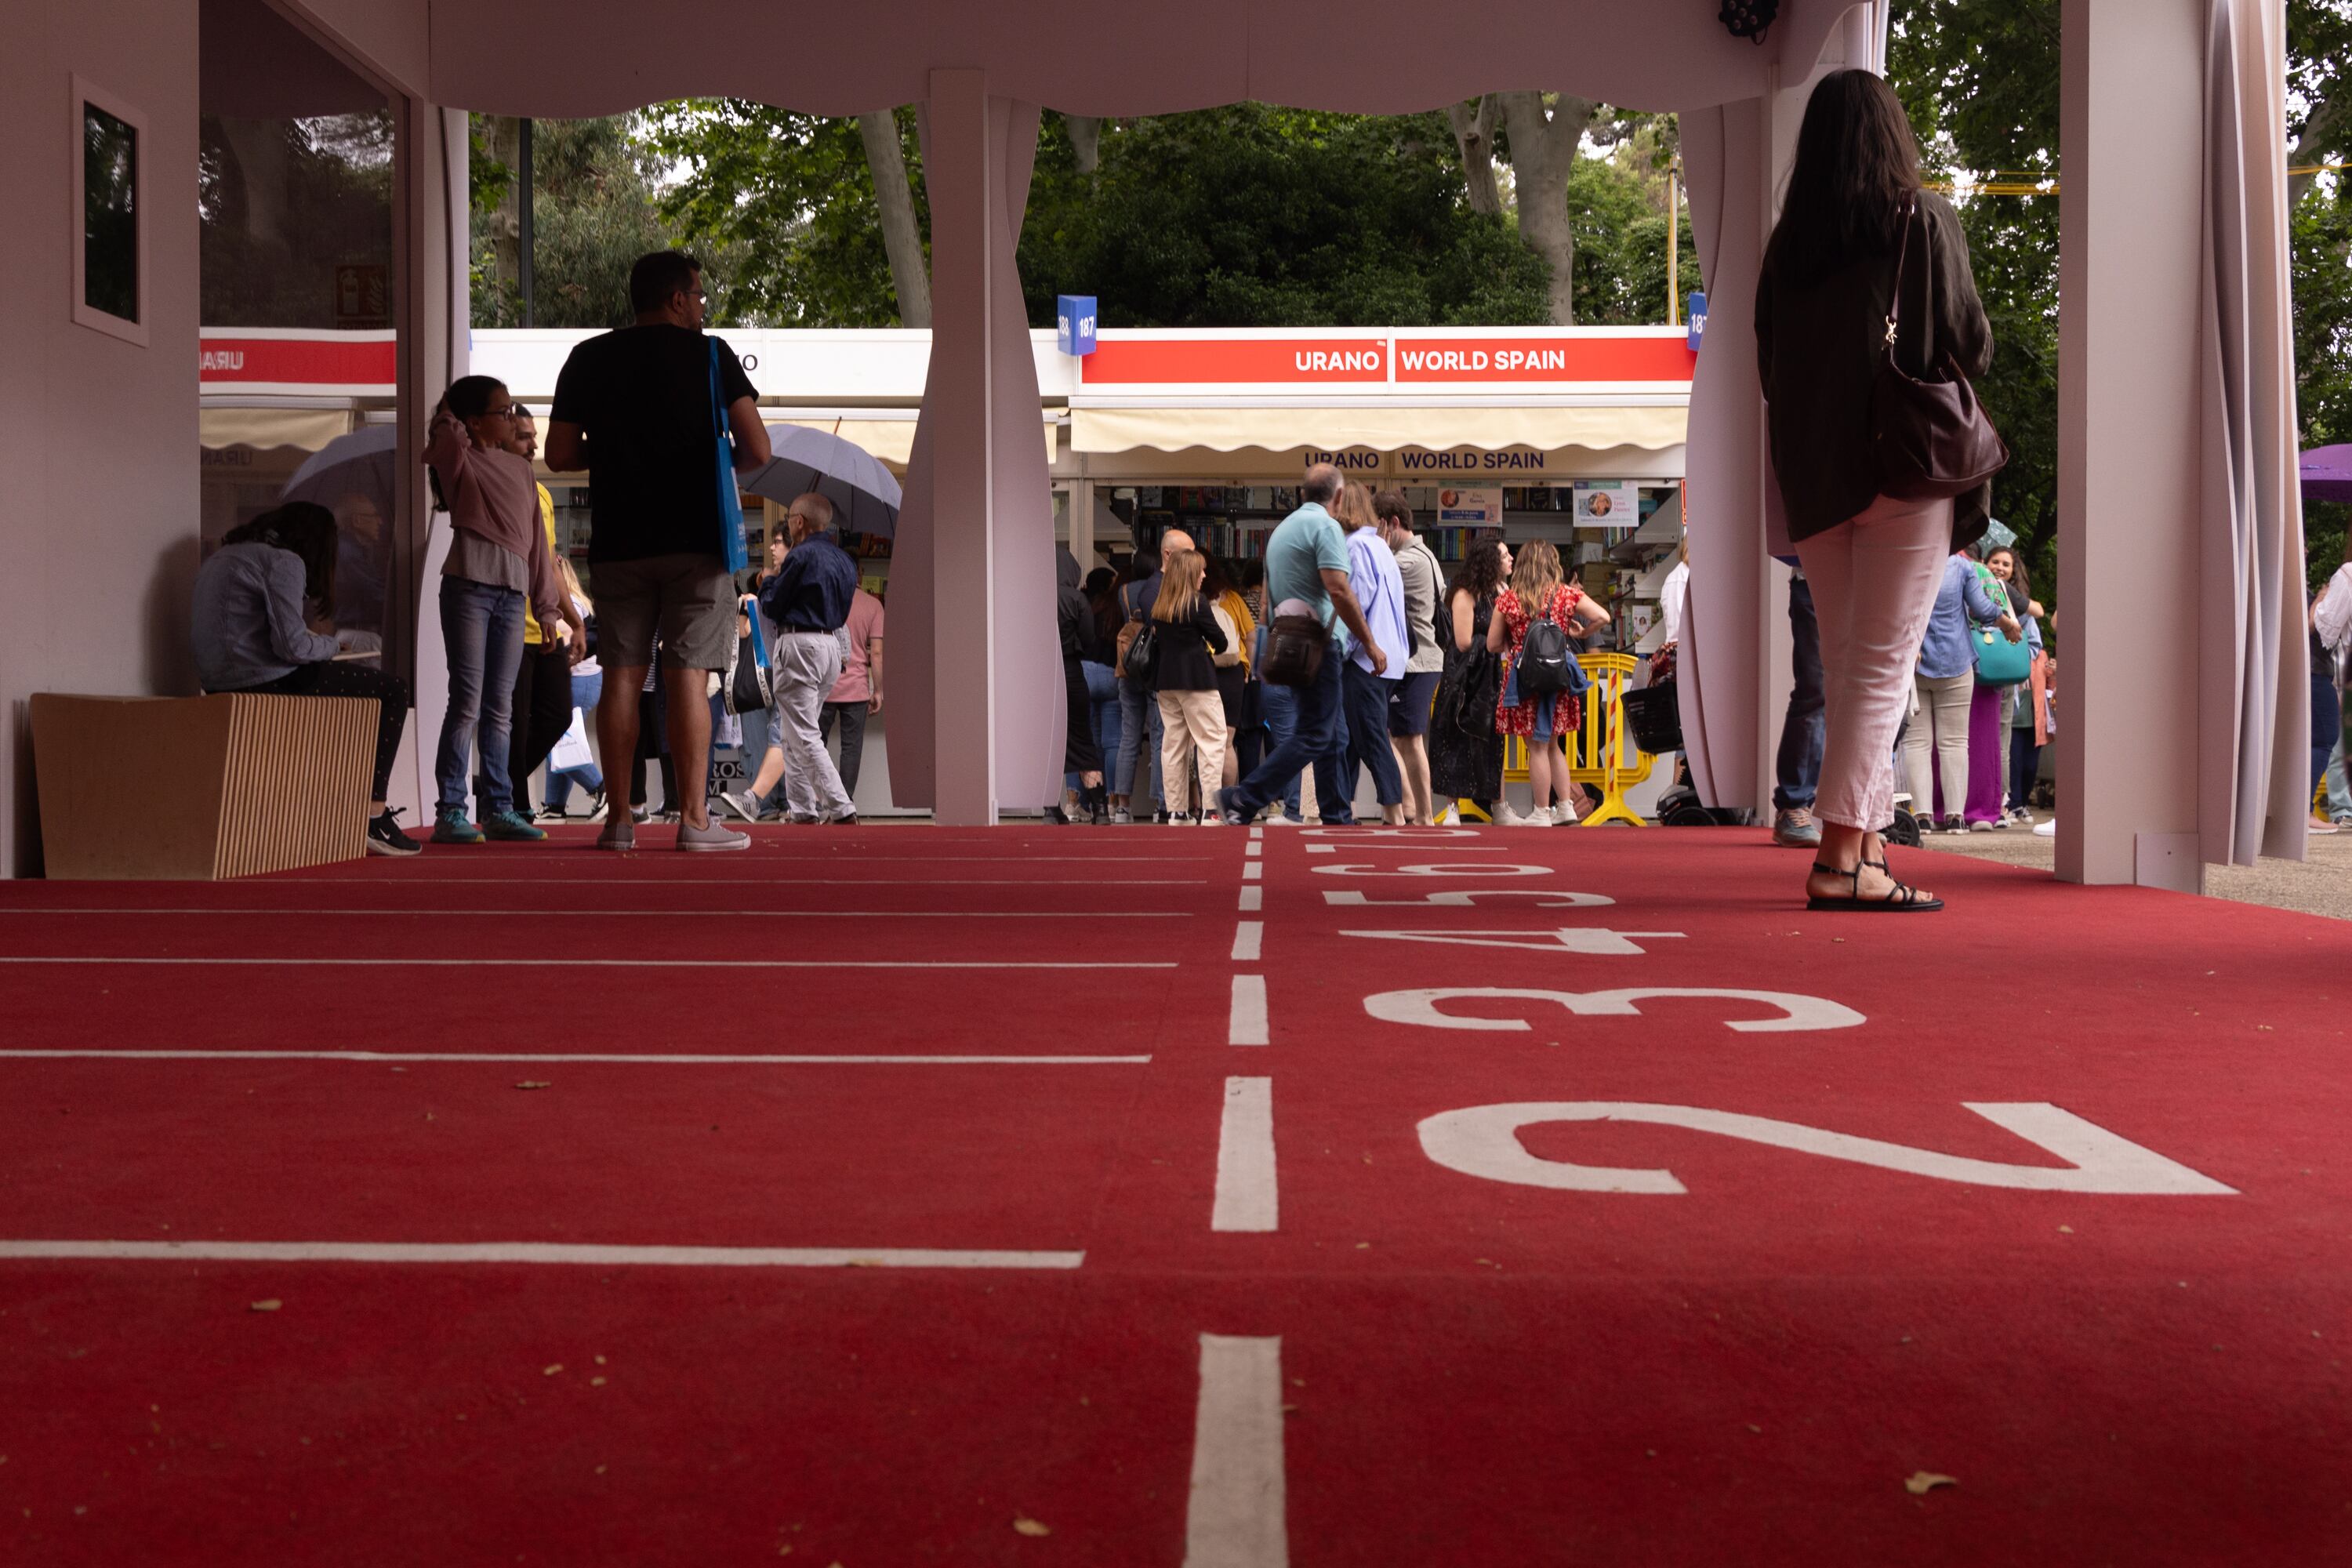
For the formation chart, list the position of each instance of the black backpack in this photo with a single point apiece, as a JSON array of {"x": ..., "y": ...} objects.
[{"x": 1544, "y": 660}]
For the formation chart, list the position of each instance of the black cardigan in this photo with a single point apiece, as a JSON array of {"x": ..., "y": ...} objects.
[
  {"x": 1818, "y": 342},
  {"x": 1183, "y": 663}
]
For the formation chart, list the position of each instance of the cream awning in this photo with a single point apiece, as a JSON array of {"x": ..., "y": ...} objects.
[
  {"x": 1281, "y": 428},
  {"x": 890, "y": 441},
  {"x": 308, "y": 428}
]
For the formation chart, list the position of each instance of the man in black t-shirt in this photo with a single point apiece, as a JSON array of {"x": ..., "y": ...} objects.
[{"x": 639, "y": 409}]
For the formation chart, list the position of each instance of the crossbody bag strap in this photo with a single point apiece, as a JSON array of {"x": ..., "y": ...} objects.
[{"x": 1902, "y": 255}]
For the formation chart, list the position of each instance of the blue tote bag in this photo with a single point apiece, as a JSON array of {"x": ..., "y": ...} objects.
[{"x": 730, "y": 504}]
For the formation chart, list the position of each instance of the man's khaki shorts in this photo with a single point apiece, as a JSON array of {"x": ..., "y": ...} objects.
[{"x": 690, "y": 599}]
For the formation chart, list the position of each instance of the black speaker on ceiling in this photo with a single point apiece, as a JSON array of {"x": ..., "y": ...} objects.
[{"x": 1750, "y": 19}]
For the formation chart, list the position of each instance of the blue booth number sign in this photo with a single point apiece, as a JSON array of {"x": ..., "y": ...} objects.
[
  {"x": 1698, "y": 320},
  {"x": 1073, "y": 323}
]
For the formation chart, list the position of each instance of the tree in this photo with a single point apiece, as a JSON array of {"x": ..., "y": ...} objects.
[
  {"x": 1618, "y": 210},
  {"x": 894, "y": 198},
  {"x": 1253, "y": 216},
  {"x": 790, "y": 197},
  {"x": 2319, "y": 43},
  {"x": 593, "y": 212},
  {"x": 1474, "y": 137},
  {"x": 1545, "y": 134}
]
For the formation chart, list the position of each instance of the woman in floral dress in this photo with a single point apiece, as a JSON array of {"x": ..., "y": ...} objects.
[{"x": 1537, "y": 591}]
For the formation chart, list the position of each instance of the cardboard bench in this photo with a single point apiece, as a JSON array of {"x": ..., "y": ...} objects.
[{"x": 257, "y": 784}]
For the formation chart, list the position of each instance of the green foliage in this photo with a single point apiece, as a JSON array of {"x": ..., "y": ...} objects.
[
  {"x": 2319, "y": 72},
  {"x": 593, "y": 208},
  {"x": 2321, "y": 233},
  {"x": 789, "y": 200},
  {"x": 1254, "y": 216},
  {"x": 1618, "y": 210}
]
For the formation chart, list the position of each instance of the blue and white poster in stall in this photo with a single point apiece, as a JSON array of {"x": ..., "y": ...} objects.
[
  {"x": 1698, "y": 320},
  {"x": 1073, "y": 323}
]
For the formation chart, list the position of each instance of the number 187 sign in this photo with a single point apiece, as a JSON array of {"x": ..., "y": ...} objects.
[{"x": 1073, "y": 323}]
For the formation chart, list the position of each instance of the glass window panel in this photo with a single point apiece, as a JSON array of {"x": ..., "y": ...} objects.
[{"x": 109, "y": 213}]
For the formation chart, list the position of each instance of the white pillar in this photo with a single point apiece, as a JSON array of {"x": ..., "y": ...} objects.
[
  {"x": 2128, "y": 437},
  {"x": 972, "y": 637},
  {"x": 433, "y": 314}
]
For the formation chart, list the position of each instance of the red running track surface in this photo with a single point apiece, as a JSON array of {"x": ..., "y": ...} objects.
[{"x": 1484, "y": 1365}]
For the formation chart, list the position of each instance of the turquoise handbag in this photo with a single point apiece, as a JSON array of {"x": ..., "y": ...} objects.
[{"x": 2000, "y": 662}]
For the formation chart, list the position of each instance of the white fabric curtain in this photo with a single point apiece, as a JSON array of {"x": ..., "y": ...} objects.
[
  {"x": 1721, "y": 631},
  {"x": 2253, "y": 695}
]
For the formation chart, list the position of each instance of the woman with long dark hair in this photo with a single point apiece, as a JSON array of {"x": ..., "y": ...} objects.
[
  {"x": 1824, "y": 302},
  {"x": 260, "y": 624},
  {"x": 1465, "y": 750}
]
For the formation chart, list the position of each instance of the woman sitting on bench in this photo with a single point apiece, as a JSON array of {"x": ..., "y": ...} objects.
[{"x": 260, "y": 626}]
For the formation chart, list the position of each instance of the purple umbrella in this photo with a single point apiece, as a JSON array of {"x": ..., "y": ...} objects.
[{"x": 2328, "y": 473}]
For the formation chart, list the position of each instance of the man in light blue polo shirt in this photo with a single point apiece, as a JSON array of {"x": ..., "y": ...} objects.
[{"x": 1306, "y": 566}]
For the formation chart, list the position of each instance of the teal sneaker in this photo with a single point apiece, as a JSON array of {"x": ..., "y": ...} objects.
[
  {"x": 511, "y": 826},
  {"x": 450, "y": 827}
]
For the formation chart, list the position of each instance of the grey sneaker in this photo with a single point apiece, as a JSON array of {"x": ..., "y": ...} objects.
[
  {"x": 620, "y": 831},
  {"x": 740, "y": 803},
  {"x": 1797, "y": 828},
  {"x": 714, "y": 837}
]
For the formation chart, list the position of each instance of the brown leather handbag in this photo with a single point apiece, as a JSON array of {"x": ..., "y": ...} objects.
[{"x": 1932, "y": 437}]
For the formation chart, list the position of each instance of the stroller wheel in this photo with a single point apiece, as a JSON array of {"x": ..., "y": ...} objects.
[{"x": 1906, "y": 830}]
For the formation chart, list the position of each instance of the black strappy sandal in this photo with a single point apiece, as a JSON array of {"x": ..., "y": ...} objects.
[{"x": 1904, "y": 900}]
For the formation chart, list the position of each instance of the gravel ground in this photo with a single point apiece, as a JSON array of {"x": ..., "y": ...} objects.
[{"x": 2321, "y": 885}]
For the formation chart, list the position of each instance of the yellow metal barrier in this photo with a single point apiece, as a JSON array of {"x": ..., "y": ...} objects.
[{"x": 1602, "y": 744}]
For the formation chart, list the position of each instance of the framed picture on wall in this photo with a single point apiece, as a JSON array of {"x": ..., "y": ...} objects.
[{"x": 109, "y": 213}]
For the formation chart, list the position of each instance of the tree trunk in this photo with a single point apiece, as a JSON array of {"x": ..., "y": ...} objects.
[
  {"x": 505, "y": 138},
  {"x": 1543, "y": 153},
  {"x": 1085, "y": 140},
  {"x": 2321, "y": 131},
  {"x": 1474, "y": 138},
  {"x": 909, "y": 275}
]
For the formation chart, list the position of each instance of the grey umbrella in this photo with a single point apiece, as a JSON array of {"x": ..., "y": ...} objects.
[{"x": 865, "y": 495}]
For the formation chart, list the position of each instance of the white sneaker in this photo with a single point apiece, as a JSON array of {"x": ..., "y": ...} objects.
[
  {"x": 1211, "y": 819},
  {"x": 1278, "y": 817},
  {"x": 1563, "y": 814},
  {"x": 1123, "y": 818},
  {"x": 2047, "y": 830},
  {"x": 1510, "y": 817},
  {"x": 1449, "y": 817}
]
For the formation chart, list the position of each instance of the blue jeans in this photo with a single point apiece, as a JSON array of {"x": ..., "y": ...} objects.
[
  {"x": 1367, "y": 736},
  {"x": 2024, "y": 763},
  {"x": 481, "y": 628},
  {"x": 1280, "y": 705},
  {"x": 1797, "y": 769},
  {"x": 1103, "y": 706},
  {"x": 1314, "y": 740},
  {"x": 1138, "y": 713},
  {"x": 587, "y": 690}
]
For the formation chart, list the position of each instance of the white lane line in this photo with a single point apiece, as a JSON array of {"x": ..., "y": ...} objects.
[
  {"x": 631, "y": 1059},
  {"x": 1256, "y": 833},
  {"x": 1253, "y": 849},
  {"x": 1253, "y": 899},
  {"x": 539, "y": 1252},
  {"x": 1252, "y": 870},
  {"x": 1248, "y": 936},
  {"x": 669, "y": 914},
  {"x": 614, "y": 962},
  {"x": 1245, "y": 1180},
  {"x": 1235, "y": 1517},
  {"x": 1246, "y": 1024}
]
